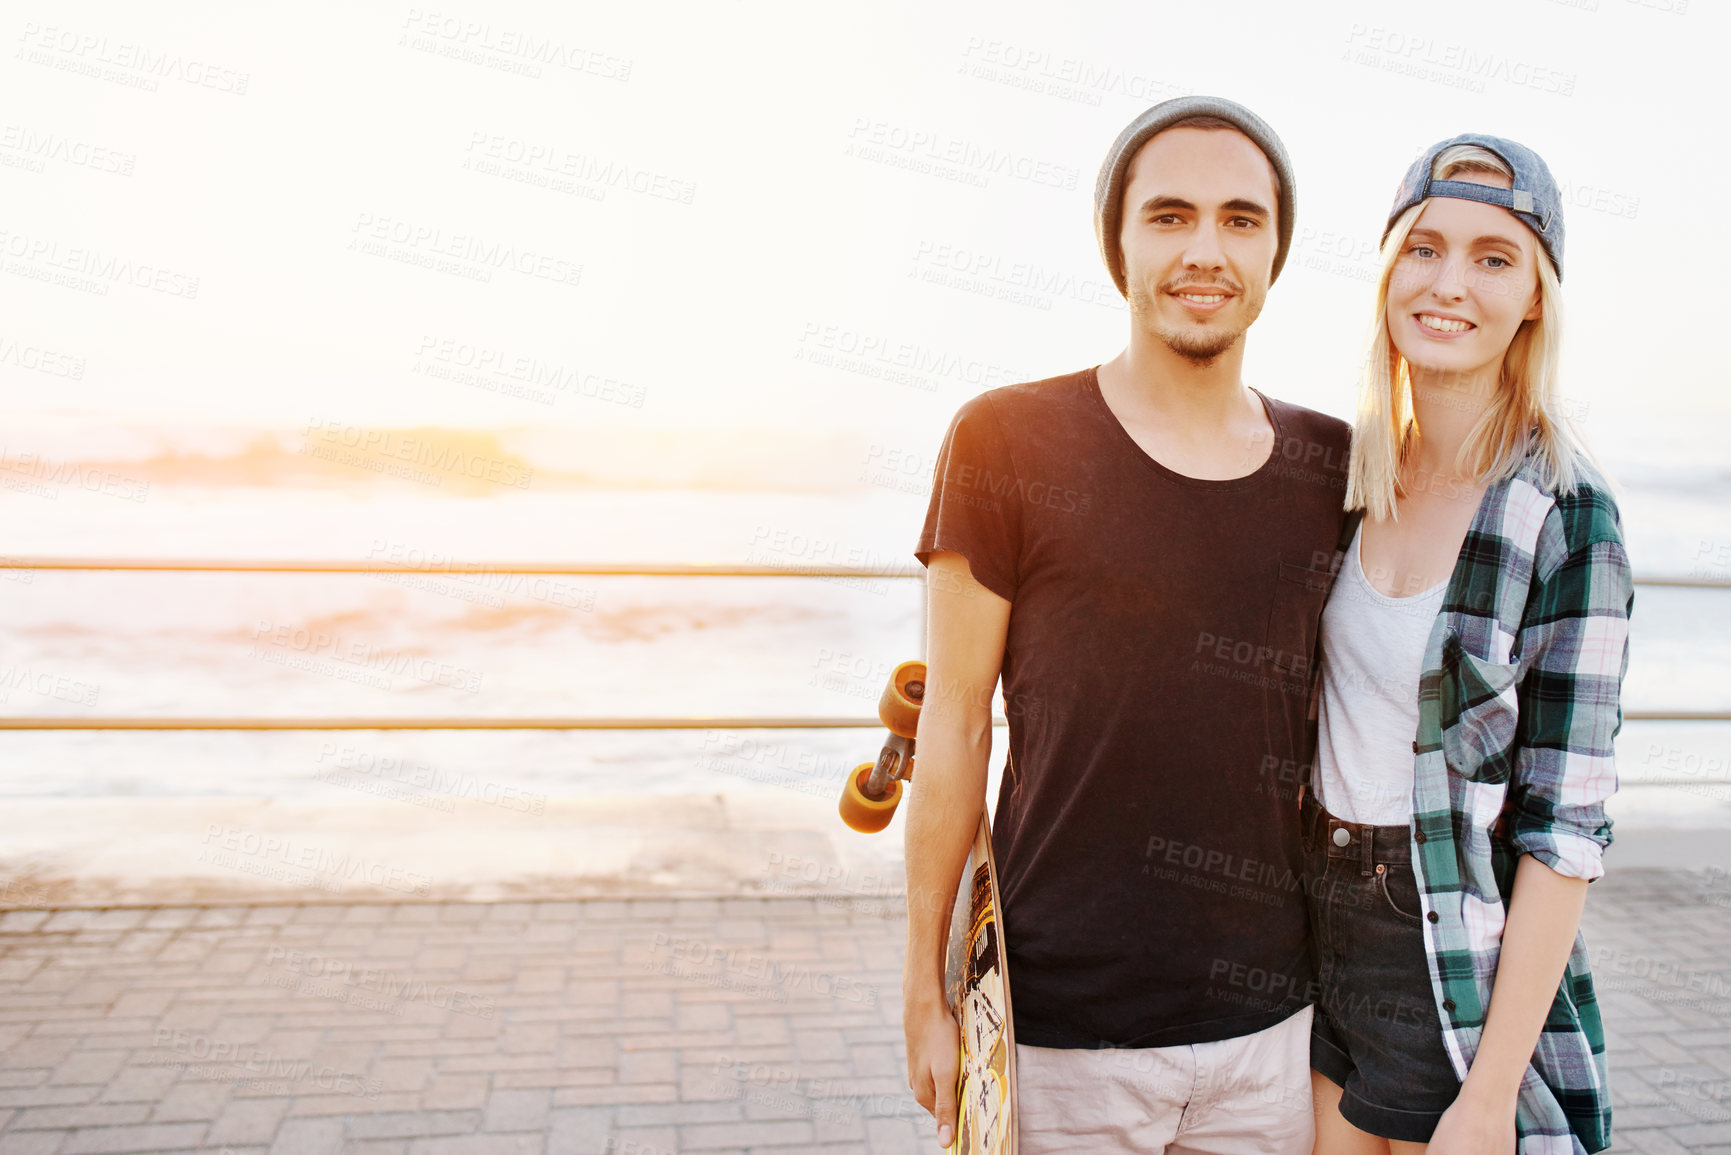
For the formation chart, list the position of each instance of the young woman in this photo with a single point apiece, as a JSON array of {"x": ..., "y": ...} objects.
[{"x": 1473, "y": 650}]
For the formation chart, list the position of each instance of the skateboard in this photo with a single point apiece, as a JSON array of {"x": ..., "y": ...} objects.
[{"x": 976, "y": 979}]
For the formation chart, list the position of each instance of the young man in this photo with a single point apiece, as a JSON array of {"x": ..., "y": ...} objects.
[{"x": 1142, "y": 550}]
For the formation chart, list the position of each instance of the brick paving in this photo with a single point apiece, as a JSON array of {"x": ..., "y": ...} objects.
[{"x": 634, "y": 1027}]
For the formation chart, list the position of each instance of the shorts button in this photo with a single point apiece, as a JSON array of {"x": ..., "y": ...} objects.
[
  {"x": 1432, "y": 916},
  {"x": 1342, "y": 836},
  {"x": 1448, "y": 1004},
  {"x": 1418, "y": 837},
  {"x": 1415, "y": 745}
]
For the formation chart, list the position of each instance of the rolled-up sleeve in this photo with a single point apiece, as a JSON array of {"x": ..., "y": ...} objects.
[{"x": 1575, "y": 643}]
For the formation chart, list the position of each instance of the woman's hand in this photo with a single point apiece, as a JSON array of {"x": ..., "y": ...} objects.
[
  {"x": 1544, "y": 914},
  {"x": 1476, "y": 1124}
]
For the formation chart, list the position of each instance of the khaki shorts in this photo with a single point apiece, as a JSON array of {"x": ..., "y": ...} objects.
[{"x": 1247, "y": 1095}]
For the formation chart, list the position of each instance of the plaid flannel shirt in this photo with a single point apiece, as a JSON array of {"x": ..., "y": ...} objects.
[{"x": 1519, "y": 700}]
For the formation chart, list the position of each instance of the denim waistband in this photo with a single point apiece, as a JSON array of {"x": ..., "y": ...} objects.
[{"x": 1362, "y": 841}]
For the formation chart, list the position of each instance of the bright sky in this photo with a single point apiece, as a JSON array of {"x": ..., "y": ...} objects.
[{"x": 693, "y": 213}]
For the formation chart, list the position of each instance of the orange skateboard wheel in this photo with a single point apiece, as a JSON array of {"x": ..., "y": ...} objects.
[
  {"x": 866, "y": 815},
  {"x": 899, "y": 707}
]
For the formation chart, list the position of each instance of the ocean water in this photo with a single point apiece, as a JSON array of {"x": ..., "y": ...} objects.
[{"x": 419, "y": 642}]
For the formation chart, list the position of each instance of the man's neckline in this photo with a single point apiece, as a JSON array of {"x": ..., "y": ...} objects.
[{"x": 1243, "y": 481}]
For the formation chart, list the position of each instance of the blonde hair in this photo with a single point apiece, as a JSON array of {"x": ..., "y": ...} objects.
[{"x": 1525, "y": 416}]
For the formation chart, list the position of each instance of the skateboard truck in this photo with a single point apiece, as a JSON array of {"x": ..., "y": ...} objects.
[{"x": 874, "y": 789}]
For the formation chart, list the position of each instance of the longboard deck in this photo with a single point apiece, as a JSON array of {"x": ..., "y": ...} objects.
[{"x": 976, "y": 980}]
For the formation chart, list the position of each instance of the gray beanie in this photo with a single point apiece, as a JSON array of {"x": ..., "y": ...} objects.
[{"x": 1109, "y": 188}]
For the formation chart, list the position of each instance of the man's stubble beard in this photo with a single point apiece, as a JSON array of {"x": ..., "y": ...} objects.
[{"x": 1200, "y": 347}]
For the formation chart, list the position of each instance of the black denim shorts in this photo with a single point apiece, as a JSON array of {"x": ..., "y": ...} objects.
[{"x": 1376, "y": 1032}]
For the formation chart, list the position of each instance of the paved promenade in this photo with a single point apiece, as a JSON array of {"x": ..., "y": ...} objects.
[{"x": 629, "y": 1027}]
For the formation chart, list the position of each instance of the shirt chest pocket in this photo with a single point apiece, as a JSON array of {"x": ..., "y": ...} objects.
[
  {"x": 1479, "y": 713},
  {"x": 1293, "y": 618}
]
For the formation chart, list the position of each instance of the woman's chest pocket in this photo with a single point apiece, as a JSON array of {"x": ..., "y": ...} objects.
[{"x": 1478, "y": 713}]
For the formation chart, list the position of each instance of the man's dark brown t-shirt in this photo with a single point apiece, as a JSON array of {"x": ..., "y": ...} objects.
[{"x": 1155, "y": 678}]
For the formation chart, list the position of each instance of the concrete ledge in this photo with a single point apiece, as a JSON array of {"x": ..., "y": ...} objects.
[
  {"x": 1671, "y": 848},
  {"x": 212, "y": 851},
  {"x": 205, "y": 851}
]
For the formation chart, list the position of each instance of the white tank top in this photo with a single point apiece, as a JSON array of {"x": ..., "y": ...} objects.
[{"x": 1372, "y": 655}]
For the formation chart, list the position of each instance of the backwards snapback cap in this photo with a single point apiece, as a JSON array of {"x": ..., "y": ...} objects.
[{"x": 1534, "y": 199}]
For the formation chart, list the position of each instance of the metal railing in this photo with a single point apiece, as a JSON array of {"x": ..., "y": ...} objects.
[{"x": 482, "y": 722}]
